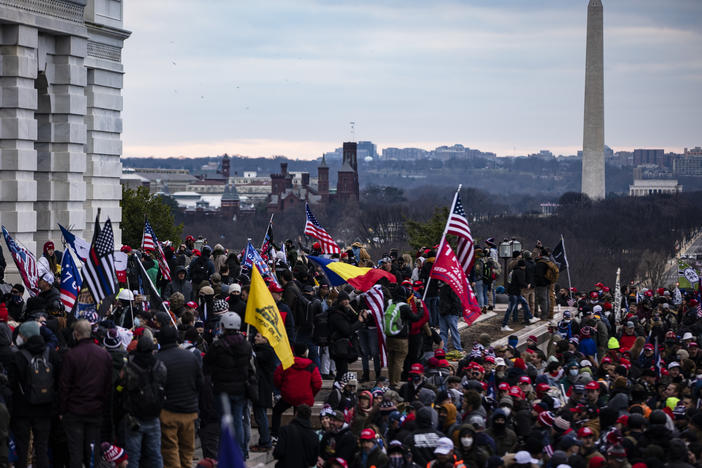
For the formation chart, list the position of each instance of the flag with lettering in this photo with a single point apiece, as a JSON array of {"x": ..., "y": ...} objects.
[
  {"x": 262, "y": 312},
  {"x": 447, "y": 269},
  {"x": 70, "y": 281},
  {"x": 25, "y": 261},
  {"x": 267, "y": 240}
]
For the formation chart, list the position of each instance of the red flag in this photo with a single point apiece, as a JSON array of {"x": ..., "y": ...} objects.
[{"x": 447, "y": 269}]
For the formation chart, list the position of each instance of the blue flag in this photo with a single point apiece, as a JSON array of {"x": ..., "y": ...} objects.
[
  {"x": 79, "y": 245},
  {"x": 70, "y": 281},
  {"x": 229, "y": 451},
  {"x": 334, "y": 279},
  {"x": 252, "y": 257}
]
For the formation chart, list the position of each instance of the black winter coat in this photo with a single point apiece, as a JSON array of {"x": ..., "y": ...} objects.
[
  {"x": 449, "y": 303},
  {"x": 183, "y": 381},
  {"x": 17, "y": 376},
  {"x": 514, "y": 288},
  {"x": 265, "y": 366},
  {"x": 298, "y": 445},
  {"x": 229, "y": 363},
  {"x": 343, "y": 323}
]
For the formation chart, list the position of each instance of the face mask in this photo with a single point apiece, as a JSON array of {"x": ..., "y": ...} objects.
[
  {"x": 507, "y": 410},
  {"x": 416, "y": 378},
  {"x": 498, "y": 426},
  {"x": 396, "y": 462},
  {"x": 500, "y": 374},
  {"x": 137, "y": 322},
  {"x": 466, "y": 441},
  {"x": 19, "y": 340},
  {"x": 17, "y": 299},
  {"x": 573, "y": 372}
]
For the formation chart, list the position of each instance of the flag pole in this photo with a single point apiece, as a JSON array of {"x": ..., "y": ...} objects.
[
  {"x": 443, "y": 238},
  {"x": 565, "y": 257},
  {"x": 266, "y": 233}
]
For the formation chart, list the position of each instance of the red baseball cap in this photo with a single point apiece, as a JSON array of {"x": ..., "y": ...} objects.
[
  {"x": 490, "y": 359},
  {"x": 274, "y": 288},
  {"x": 585, "y": 432},
  {"x": 367, "y": 434},
  {"x": 191, "y": 304},
  {"x": 516, "y": 392},
  {"x": 416, "y": 369},
  {"x": 525, "y": 379},
  {"x": 594, "y": 295},
  {"x": 606, "y": 360},
  {"x": 623, "y": 419},
  {"x": 692, "y": 345},
  {"x": 340, "y": 461},
  {"x": 504, "y": 386},
  {"x": 542, "y": 388},
  {"x": 592, "y": 385},
  {"x": 648, "y": 346},
  {"x": 439, "y": 353}
]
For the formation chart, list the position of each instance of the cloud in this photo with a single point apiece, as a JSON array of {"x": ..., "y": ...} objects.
[{"x": 297, "y": 71}]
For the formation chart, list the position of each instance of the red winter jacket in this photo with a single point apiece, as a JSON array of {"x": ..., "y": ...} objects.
[
  {"x": 626, "y": 342},
  {"x": 299, "y": 383}
]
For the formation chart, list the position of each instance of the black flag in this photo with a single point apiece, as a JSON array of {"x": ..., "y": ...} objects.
[{"x": 559, "y": 254}]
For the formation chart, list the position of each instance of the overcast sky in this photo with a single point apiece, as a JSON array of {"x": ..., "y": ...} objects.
[{"x": 287, "y": 76}]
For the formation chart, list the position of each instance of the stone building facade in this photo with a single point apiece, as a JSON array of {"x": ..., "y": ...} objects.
[{"x": 60, "y": 116}]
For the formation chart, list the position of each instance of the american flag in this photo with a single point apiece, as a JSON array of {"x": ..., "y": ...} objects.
[
  {"x": 458, "y": 226},
  {"x": 99, "y": 270},
  {"x": 314, "y": 229},
  {"x": 25, "y": 261},
  {"x": 375, "y": 301},
  {"x": 149, "y": 243}
]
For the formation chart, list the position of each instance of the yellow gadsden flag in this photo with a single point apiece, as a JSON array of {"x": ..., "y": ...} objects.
[{"x": 262, "y": 313}]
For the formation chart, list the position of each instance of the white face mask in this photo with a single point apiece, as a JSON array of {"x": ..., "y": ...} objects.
[
  {"x": 507, "y": 410},
  {"x": 466, "y": 441},
  {"x": 573, "y": 372},
  {"x": 19, "y": 340},
  {"x": 137, "y": 323}
]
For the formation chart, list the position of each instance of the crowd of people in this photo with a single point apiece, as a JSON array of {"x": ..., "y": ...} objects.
[{"x": 614, "y": 383}]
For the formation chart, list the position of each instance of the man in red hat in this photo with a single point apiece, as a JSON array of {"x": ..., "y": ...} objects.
[{"x": 370, "y": 453}]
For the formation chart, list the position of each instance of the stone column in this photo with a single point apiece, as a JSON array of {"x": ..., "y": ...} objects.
[
  {"x": 18, "y": 130},
  {"x": 104, "y": 147},
  {"x": 61, "y": 140}
]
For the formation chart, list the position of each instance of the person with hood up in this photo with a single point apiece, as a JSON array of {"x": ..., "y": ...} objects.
[
  {"x": 298, "y": 384},
  {"x": 200, "y": 269},
  {"x": 370, "y": 453},
  {"x": 424, "y": 439},
  {"x": 29, "y": 413},
  {"x": 228, "y": 361},
  {"x": 298, "y": 444},
  {"x": 469, "y": 451},
  {"x": 180, "y": 284},
  {"x": 505, "y": 438},
  {"x": 344, "y": 442}
]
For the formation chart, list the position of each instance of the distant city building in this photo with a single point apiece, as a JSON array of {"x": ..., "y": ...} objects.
[
  {"x": 652, "y": 156},
  {"x": 166, "y": 180},
  {"x": 252, "y": 187},
  {"x": 548, "y": 209},
  {"x": 367, "y": 148},
  {"x": 402, "y": 154},
  {"x": 229, "y": 205},
  {"x": 644, "y": 187},
  {"x": 652, "y": 171},
  {"x": 689, "y": 163},
  {"x": 289, "y": 189},
  {"x": 131, "y": 180},
  {"x": 543, "y": 154}
]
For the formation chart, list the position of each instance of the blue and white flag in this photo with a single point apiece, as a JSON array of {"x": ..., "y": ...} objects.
[
  {"x": 79, "y": 245},
  {"x": 70, "y": 281},
  {"x": 252, "y": 257},
  {"x": 229, "y": 455}
]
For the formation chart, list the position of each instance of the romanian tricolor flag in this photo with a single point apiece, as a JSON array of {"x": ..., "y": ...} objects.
[{"x": 360, "y": 278}]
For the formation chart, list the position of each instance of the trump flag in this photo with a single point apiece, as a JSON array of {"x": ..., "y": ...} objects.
[{"x": 447, "y": 269}]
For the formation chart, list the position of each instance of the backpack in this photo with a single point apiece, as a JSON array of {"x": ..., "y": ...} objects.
[
  {"x": 302, "y": 312},
  {"x": 392, "y": 319},
  {"x": 321, "y": 328},
  {"x": 198, "y": 271},
  {"x": 438, "y": 379},
  {"x": 39, "y": 384},
  {"x": 146, "y": 388},
  {"x": 551, "y": 272},
  {"x": 486, "y": 271}
]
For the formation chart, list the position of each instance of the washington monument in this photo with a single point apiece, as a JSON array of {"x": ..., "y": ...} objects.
[{"x": 593, "y": 181}]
